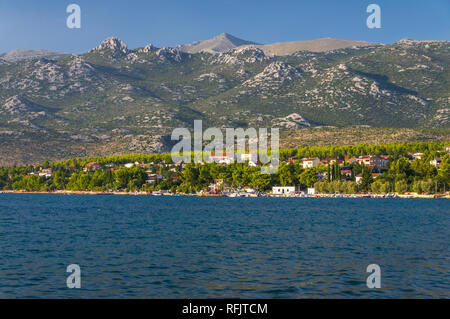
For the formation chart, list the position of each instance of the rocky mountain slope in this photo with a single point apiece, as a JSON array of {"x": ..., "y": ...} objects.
[
  {"x": 223, "y": 42},
  {"x": 114, "y": 99},
  {"x": 23, "y": 54},
  {"x": 319, "y": 45}
]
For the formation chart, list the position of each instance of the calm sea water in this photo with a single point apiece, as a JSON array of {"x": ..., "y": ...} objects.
[{"x": 189, "y": 247}]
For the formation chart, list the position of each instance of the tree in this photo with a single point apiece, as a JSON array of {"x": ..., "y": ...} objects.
[
  {"x": 351, "y": 187},
  {"x": 401, "y": 186},
  {"x": 336, "y": 186},
  {"x": 380, "y": 186},
  {"x": 319, "y": 187},
  {"x": 308, "y": 177},
  {"x": 366, "y": 178},
  {"x": 4, "y": 179},
  {"x": 286, "y": 175},
  {"x": 336, "y": 172},
  {"x": 260, "y": 181},
  {"x": 204, "y": 177},
  {"x": 400, "y": 169},
  {"x": 59, "y": 180},
  {"x": 190, "y": 177},
  {"x": 428, "y": 186},
  {"x": 79, "y": 181},
  {"x": 423, "y": 168},
  {"x": 129, "y": 178},
  {"x": 443, "y": 177}
]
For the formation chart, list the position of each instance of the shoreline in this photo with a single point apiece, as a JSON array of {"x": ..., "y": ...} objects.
[{"x": 368, "y": 195}]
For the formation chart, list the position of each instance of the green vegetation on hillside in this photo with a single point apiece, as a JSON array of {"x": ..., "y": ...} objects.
[{"x": 158, "y": 172}]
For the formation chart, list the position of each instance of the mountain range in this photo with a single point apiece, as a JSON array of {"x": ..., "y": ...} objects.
[{"x": 114, "y": 100}]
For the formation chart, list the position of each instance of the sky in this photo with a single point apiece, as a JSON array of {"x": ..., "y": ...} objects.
[{"x": 30, "y": 24}]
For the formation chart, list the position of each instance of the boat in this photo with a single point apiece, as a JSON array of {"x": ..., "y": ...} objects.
[{"x": 234, "y": 195}]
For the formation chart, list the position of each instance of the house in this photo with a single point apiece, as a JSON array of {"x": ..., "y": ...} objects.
[
  {"x": 311, "y": 191},
  {"x": 335, "y": 160},
  {"x": 221, "y": 158},
  {"x": 436, "y": 162},
  {"x": 181, "y": 163},
  {"x": 251, "y": 158},
  {"x": 247, "y": 157},
  {"x": 92, "y": 167},
  {"x": 140, "y": 164},
  {"x": 417, "y": 155},
  {"x": 310, "y": 162},
  {"x": 372, "y": 160},
  {"x": 375, "y": 175},
  {"x": 346, "y": 171},
  {"x": 151, "y": 178},
  {"x": 47, "y": 173},
  {"x": 447, "y": 149},
  {"x": 279, "y": 190},
  {"x": 129, "y": 165},
  {"x": 358, "y": 177},
  {"x": 254, "y": 164}
]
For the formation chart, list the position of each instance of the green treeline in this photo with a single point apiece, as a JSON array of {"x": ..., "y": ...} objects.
[
  {"x": 158, "y": 172},
  {"x": 396, "y": 150}
]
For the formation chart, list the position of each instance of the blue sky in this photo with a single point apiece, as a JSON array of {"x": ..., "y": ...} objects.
[{"x": 42, "y": 24}]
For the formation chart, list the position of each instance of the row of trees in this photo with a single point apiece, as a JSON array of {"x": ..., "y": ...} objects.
[
  {"x": 380, "y": 187},
  {"x": 397, "y": 150},
  {"x": 339, "y": 151},
  {"x": 400, "y": 175}
]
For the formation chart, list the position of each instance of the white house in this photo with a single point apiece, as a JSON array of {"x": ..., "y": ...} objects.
[
  {"x": 221, "y": 158},
  {"x": 279, "y": 190},
  {"x": 358, "y": 178},
  {"x": 436, "y": 162},
  {"x": 310, "y": 162},
  {"x": 247, "y": 157},
  {"x": 311, "y": 191},
  {"x": 129, "y": 165},
  {"x": 47, "y": 173}
]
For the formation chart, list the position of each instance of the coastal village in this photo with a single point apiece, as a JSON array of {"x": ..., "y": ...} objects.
[{"x": 418, "y": 174}]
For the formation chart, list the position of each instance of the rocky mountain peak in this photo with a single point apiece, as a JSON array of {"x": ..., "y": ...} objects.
[
  {"x": 406, "y": 41},
  {"x": 168, "y": 54},
  {"x": 221, "y": 43},
  {"x": 148, "y": 48},
  {"x": 113, "y": 44}
]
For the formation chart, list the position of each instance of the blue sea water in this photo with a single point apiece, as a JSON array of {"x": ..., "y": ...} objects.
[{"x": 190, "y": 247}]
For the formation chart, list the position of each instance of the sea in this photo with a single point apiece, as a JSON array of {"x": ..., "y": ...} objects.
[{"x": 193, "y": 247}]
